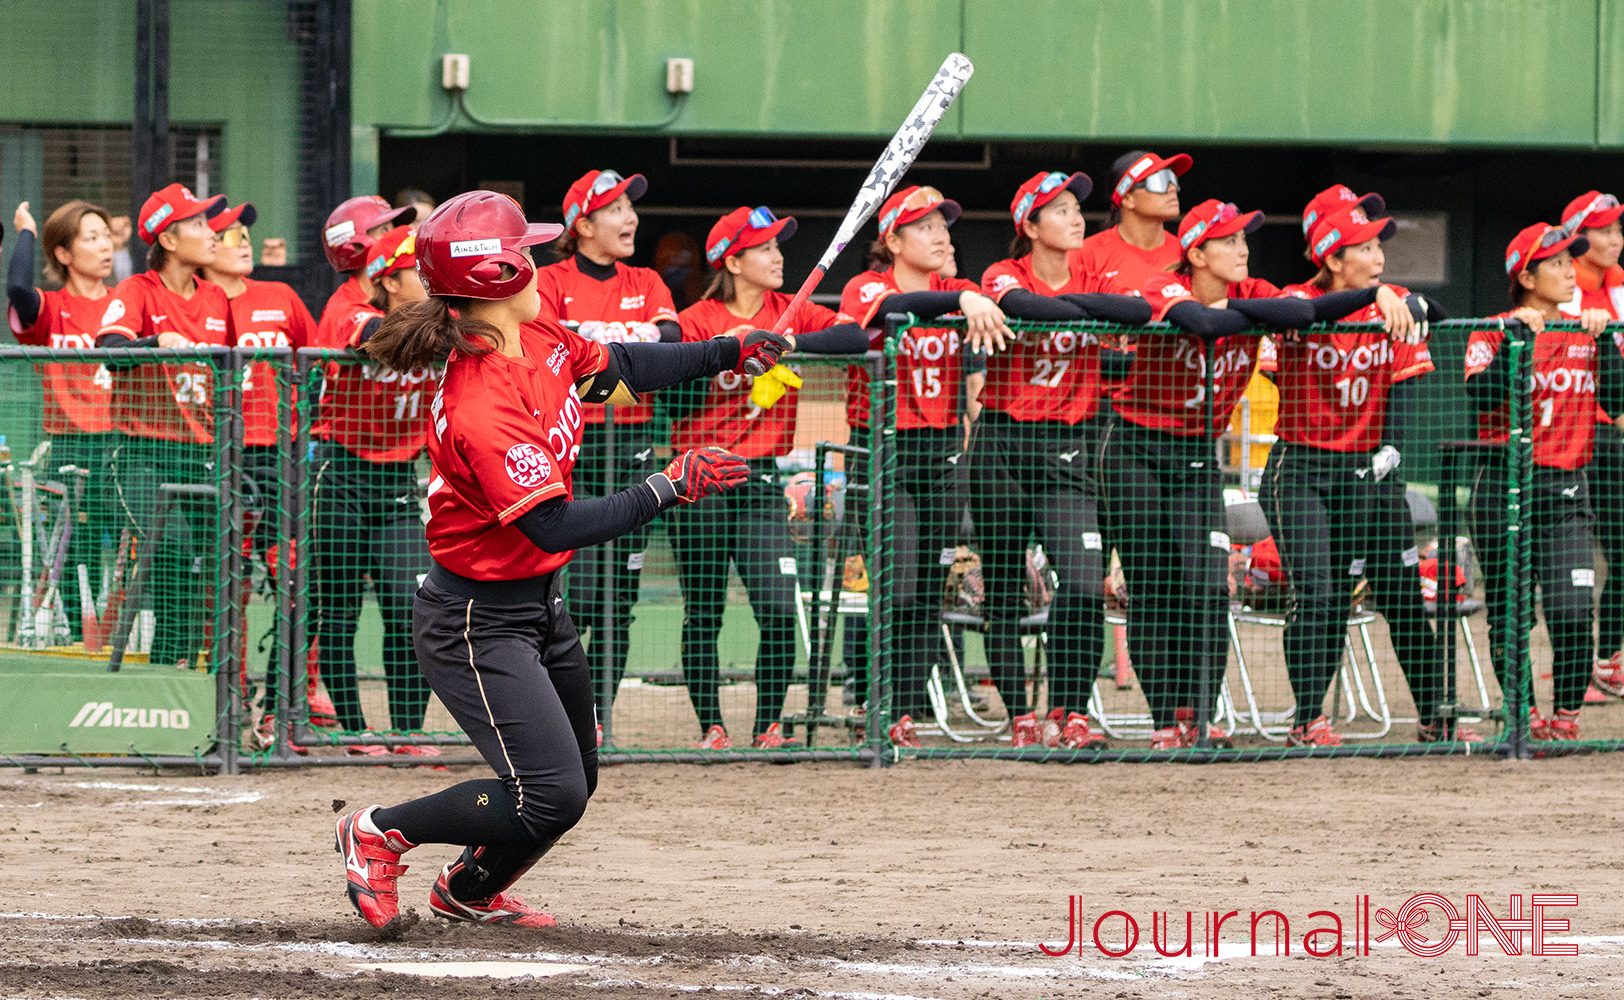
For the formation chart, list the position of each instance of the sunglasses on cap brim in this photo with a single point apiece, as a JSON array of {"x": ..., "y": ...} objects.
[
  {"x": 922, "y": 199},
  {"x": 1600, "y": 203},
  {"x": 760, "y": 217}
]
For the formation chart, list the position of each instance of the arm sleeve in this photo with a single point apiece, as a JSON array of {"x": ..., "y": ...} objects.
[
  {"x": 1129, "y": 310},
  {"x": 926, "y": 305},
  {"x": 1283, "y": 313},
  {"x": 670, "y": 331},
  {"x": 1488, "y": 387},
  {"x": 1022, "y": 304},
  {"x": 842, "y": 338},
  {"x": 1196, "y": 318},
  {"x": 1434, "y": 311},
  {"x": 20, "y": 290},
  {"x": 1609, "y": 376},
  {"x": 646, "y": 367},
  {"x": 1332, "y": 306},
  {"x": 1115, "y": 365},
  {"x": 559, "y": 525},
  {"x": 370, "y": 327},
  {"x": 1396, "y": 422}
]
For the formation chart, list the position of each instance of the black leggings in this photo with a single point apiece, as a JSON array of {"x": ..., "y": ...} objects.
[
  {"x": 1332, "y": 524},
  {"x": 1564, "y": 567},
  {"x": 1606, "y": 478},
  {"x": 749, "y": 528},
  {"x": 1167, "y": 516},
  {"x": 511, "y": 671},
  {"x": 619, "y": 563},
  {"x": 1034, "y": 479},
  {"x": 366, "y": 523}
]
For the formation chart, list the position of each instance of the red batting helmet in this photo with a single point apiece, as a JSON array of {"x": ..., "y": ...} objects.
[
  {"x": 345, "y": 238},
  {"x": 463, "y": 245}
]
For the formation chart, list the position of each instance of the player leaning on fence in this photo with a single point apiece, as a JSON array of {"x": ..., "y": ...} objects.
[
  {"x": 491, "y": 629},
  {"x": 1032, "y": 457},
  {"x": 754, "y": 418},
  {"x": 1572, "y": 373},
  {"x": 78, "y": 398},
  {"x": 165, "y": 412}
]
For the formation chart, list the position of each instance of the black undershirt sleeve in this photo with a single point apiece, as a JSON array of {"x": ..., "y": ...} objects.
[
  {"x": 1115, "y": 365},
  {"x": 1433, "y": 312},
  {"x": 1019, "y": 303},
  {"x": 842, "y": 338},
  {"x": 1332, "y": 306},
  {"x": 1129, "y": 310},
  {"x": 20, "y": 290},
  {"x": 1609, "y": 376},
  {"x": 1193, "y": 317},
  {"x": 646, "y": 367},
  {"x": 1396, "y": 421},
  {"x": 670, "y": 331},
  {"x": 1280, "y": 313},
  {"x": 925, "y": 305},
  {"x": 559, "y": 525},
  {"x": 369, "y": 328}
]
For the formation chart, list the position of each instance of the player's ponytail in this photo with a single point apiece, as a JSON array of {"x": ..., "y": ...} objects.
[
  {"x": 422, "y": 334},
  {"x": 879, "y": 255},
  {"x": 722, "y": 287}
]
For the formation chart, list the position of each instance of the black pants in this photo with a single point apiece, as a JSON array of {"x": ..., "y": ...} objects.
[
  {"x": 366, "y": 523},
  {"x": 1605, "y": 474},
  {"x": 1564, "y": 567},
  {"x": 1035, "y": 480},
  {"x": 603, "y": 580},
  {"x": 748, "y": 528},
  {"x": 1332, "y": 524},
  {"x": 1167, "y": 515},
  {"x": 184, "y": 562},
  {"x": 96, "y": 524},
  {"x": 928, "y": 507},
  {"x": 507, "y": 663}
]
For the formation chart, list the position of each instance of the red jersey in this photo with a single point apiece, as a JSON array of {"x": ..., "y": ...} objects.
[
  {"x": 338, "y": 316},
  {"x": 78, "y": 397},
  {"x": 1111, "y": 257},
  {"x": 633, "y": 295},
  {"x": 1166, "y": 388},
  {"x": 376, "y": 413},
  {"x": 506, "y": 435},
  {"x": 1564, "y": 395},
  {"x": 169, "y": 402},
  {"x": 930, "y": 360},
  {"x": 1046, "y": 376},
  {"x": 1597, "y": 290},
  {"x": 267, "y": 314},
  {"x": 1334, "y": 386},
  {"x": 727, "y": 418}
]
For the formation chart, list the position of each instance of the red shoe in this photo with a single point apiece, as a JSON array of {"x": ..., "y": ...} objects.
[
  {"x": 1538, "y": 727},
  {"x": 1075, "y": 734},
  {"x": 265, "y": 736},
  {"x": 715, "y": 739},
  {"x": 1316, "y": 734},
  {"x": 502, "y": 908},
  {"x": 1026, "y": 732},
  {"x": 1167, "y": 739},
  {"x": 371, "y": 866},
  {"x": 1187, "y": 732},
  {"x": 322, "y": 712},
  {"x": 1564, "y": 727},
  {"x": 1608, "y": 675},
  {"x": 1440, "y": 732},
  {"x": 772, "y": 738},
  {"x": 902, "y": 734},
  {"x": 421, "y": 750}
]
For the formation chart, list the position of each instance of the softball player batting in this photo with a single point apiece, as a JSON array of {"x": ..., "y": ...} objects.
[
  {"x": 1572, "y": 374},
  {"x": 493, "y": 635},
  {"x": 1032, "y": 457}
]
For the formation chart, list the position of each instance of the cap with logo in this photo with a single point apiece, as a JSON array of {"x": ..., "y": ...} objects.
[
  {"x": 1346, "y": 227},
  {"x": 597, "y": 188},
  {"x": 345, "y": 238},
  {"x": 469, "y": 248},
  {"x": 914, "y": 203},
  {"x": 1591, "y": 210},
  {"x": 1214, "y": 219},
  {"x": 1145, "y": 168},
  {"x": 394, "y": 251},
  {"x": 1538, "y": 242},
  {"x": 744, "y": 228},
  {"x": 1336, "y": 196},
  {"x": 1044, "y": 187},
  {"x": 172, "y": 204}
]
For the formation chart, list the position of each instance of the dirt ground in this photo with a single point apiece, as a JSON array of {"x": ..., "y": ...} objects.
[{"x": 922, "y": 880}]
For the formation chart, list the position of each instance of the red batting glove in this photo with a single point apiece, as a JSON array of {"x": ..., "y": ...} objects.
[
  {"x": 759, "y": 350},
  {"x": 696, "y": 474}
]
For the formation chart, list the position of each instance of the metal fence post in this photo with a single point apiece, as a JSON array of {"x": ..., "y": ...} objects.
[
  {"x": 1519, "y": 481},
  {"x": 229, "y": 620}
]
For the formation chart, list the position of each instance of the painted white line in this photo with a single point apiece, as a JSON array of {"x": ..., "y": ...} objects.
[{"x": 470, "y": 970}]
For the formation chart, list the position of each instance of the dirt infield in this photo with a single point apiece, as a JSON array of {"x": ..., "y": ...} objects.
[{"x": 924, "y": 880}]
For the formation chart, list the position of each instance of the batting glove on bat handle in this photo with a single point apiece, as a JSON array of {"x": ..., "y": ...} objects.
[
  {"x": 696, "y": 474},
  {"x": 759, "y": 350}
]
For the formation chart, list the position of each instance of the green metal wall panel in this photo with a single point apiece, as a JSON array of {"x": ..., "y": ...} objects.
[
  {"x": 1610, "y": 74},
  {"x": 1387, "y": 71},
  {"x": 67, "y": 60},
  {"x": 830, "y": 67}
]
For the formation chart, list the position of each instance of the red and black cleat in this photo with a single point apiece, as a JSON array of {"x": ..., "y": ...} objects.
[
  {"x": 503, "y": 908},
  {"x": 371, "y": 866}
]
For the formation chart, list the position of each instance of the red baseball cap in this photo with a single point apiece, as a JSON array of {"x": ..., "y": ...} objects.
[
  {"x": 914, "y": 203},
  {"x": 597, "y": 188},
  {"x": 1144, "y": 167},
  {"x": 744, "y": 228},
  {"x": 1538, "y": 242},
  {"x": 394, "y": 251},
  {"x": 1044, "y": 187},
  {"x": 171, "y": 205},
  {"x": 1346, "y": 227},
  {"x": 1214, "y": 219},
  {"x": 245, "y": 214},
  {"x": 1335, "y": 197},
  {"x": 1591, "y": 210}
]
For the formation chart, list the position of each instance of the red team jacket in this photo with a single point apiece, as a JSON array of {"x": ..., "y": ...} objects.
[
  {"x": 78, "y": 397},
  {"x": 267, "y": 314},
  {"x": 727, "y": 418},
  {"x": 1053, "y": 376},
  {"x": 506, "y": 434},
  {"x": 633, "y": 295},
  {"x": 168, "y": 402},
  {"x": 1595, "y": 290},
  {"x": 930, "y": 361},
  {"x": 1564, "y": 395}
]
